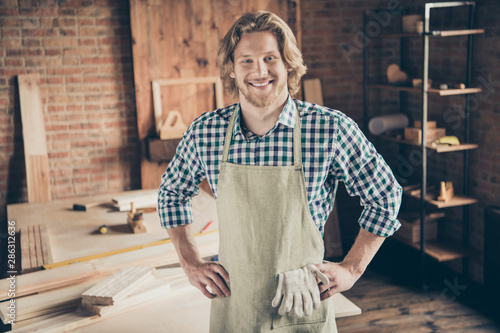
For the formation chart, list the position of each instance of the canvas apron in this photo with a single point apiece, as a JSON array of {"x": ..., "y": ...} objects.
[{"x": 265, "y": 228}]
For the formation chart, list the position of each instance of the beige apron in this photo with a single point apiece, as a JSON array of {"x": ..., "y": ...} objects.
[{"x": 265, "y": 228}]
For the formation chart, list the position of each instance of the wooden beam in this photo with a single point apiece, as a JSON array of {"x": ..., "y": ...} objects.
[
  {"x": 118, "y": 286},
  {"x": 149, "y": 291},
  {"x": 35, "y": 147}
]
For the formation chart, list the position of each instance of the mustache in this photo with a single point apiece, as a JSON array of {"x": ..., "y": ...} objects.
[{"x": 264, "y": 79}]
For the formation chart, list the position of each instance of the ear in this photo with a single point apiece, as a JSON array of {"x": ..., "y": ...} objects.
[
  {"x": 231, "y": 75},
  {"x": 289, "y": 69}
]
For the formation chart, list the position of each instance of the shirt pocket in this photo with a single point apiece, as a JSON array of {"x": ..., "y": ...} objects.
[{"x": 319, "y": 316}]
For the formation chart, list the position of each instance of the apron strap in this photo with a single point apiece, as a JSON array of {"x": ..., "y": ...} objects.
[{"x": 297, "y": 137}]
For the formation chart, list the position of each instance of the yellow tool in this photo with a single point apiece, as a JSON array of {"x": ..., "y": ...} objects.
[
  {"x": 103, "y": 229},
  {"x": 446, "y": 140}
]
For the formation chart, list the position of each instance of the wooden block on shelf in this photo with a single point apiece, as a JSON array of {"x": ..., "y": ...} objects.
[
  {"x": 118, "y": 286},
  {"x": 430, "y": 124},
  {"x": 415, "y": 134}
]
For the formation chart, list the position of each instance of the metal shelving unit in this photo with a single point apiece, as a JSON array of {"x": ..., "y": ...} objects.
[{"x": 439, "y": 250}]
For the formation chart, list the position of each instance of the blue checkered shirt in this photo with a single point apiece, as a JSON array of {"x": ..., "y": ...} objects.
[{"x": 333, "y": 149}]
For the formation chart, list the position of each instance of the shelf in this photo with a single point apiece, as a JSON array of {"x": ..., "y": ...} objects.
[
  {"x": 439, "y": 250},
  {"x": 450, "y": 33},
  {"x": 440, "y": 92},
  {"x": 437, "y": 149},
  {"x": 435, "y": 33},
  {"x": 456, "y": 201}
]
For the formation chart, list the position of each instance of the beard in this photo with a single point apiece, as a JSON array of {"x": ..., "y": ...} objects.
[{"x": 263, "y": 101}]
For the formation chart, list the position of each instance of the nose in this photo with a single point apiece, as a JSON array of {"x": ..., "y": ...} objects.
[{"x": 261, "y": 68}]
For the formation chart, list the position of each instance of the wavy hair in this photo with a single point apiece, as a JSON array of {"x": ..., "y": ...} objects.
[{"x": 257, "y": 22}]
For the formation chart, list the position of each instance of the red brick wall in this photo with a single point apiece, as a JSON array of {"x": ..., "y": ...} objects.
[{"x": 82, "y": 51}]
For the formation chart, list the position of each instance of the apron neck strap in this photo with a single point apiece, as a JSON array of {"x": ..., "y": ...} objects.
[{"x": 297, "y": 137}]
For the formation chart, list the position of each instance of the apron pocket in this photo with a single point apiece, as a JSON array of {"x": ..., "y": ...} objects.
[{"x": 319, "y": 316}]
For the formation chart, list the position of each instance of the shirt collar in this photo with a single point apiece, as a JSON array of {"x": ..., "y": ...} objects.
[{"x": 286, "y": 118}]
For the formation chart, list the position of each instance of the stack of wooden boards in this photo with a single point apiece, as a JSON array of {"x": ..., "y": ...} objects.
[
  {"x": 410, "y": 226},
  {"x": 127, "y": 287},
  {"x": 50, "y": 300},
  {"x": 35, "y": 247},
  {"x": 144, "y": 199}
]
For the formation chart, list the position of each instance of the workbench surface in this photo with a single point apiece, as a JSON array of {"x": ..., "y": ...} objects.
[{"x": 74, "y": 234}]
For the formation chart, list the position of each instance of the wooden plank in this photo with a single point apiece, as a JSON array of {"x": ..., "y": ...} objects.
[
  {"x": 312, "y": 91},
  {"x": 31, "y": 236},
  {"x": 154, "y": 288},
  {"x": 38, "y": 245},
  {"x": 68, "y": 275},
  {"x": 35, "y": 148},
  {"x": 344, "y": 307},
  {"x": 25, "y": 248},
  {"x": 116, "y": 287},
  {"x": 45, "y": 303},
  {"x": 46, "y": 249},
  {"x": 449, "y": 33}
]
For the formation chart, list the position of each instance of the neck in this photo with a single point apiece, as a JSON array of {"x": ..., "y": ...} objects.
[{"x": 260, "y": 120}]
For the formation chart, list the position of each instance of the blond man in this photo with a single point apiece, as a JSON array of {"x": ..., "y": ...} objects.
[{"x": 273, "y": 164}]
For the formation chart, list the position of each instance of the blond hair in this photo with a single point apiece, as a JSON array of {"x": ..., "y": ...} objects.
[{"x": 256, "y": 22}]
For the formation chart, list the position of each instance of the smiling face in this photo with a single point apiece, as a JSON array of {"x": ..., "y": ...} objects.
[{"x": 259, "y": 71}]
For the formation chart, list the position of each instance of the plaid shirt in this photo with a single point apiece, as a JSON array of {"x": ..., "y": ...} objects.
[{"x": 333, "y": 149}]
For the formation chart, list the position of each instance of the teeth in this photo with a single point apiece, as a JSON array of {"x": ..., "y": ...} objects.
[{"x": 260, "y": 84}]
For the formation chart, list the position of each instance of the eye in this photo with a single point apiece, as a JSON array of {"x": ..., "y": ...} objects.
[
  {"x": 246, "y": 61},
  {"x": 269, "y": 58}
]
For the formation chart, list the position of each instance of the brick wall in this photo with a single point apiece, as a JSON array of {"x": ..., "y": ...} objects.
[
  {"x": 332, "y": 46},
  {"x": 82, "y": 51}
]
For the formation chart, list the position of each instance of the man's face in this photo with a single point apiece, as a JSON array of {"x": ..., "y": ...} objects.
[{"x": 259, "y": 72}]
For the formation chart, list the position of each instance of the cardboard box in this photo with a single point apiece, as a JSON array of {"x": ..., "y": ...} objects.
[{"x": 415, "y": 134}]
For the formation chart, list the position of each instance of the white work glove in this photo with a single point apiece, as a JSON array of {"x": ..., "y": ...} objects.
[{"x": 299, "y": 290}]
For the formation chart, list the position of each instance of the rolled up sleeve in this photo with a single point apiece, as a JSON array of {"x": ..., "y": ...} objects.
[
  {"x": 366, "y": 174},
  {"x": 179, "y": 184}
]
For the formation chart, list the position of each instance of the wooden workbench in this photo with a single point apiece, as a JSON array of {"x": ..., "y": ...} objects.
[{"x": 74, "y": 234}]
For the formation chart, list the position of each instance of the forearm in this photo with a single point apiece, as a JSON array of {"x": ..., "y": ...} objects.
[
  {"x": 185, "y": 245},
  {"x": 362, "y": 252},
  {"x": 200, "y": 273}
]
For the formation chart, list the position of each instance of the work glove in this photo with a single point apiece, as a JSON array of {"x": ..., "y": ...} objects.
[{"x": 298, "y": 291}]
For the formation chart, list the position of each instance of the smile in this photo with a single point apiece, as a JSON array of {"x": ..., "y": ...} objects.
[{"x": 260, "y": 84}]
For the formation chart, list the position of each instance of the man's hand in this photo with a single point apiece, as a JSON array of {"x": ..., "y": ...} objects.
[
  {"x": 341, "y": 278},
  {"x": 201, "y": 273},
  {"x": 205, "y": 274},
  {"x": 343, "y": 275}
]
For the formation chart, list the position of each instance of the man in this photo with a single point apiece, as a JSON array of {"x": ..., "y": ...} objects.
[{"x": 273, "y": 164}]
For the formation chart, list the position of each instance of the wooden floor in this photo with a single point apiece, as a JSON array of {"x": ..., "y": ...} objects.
[{"x": 388, "y": 307}]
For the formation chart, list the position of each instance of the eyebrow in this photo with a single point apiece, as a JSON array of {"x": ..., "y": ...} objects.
[{"x": 249, "y": 55}]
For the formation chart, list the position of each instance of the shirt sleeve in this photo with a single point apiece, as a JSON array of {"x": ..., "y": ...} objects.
[
  {"x": 180, "y": 183},
  {"x": 366, "y": 174}
]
